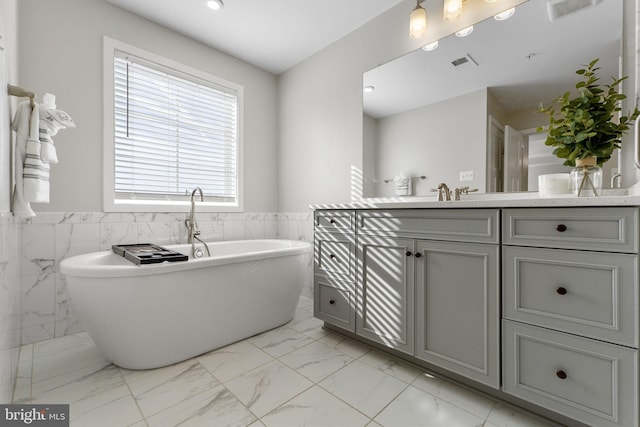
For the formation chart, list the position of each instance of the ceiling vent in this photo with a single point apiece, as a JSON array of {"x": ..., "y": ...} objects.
[
  {"x": 558, "y": 8},
  {"x": 464, "y": 62}
]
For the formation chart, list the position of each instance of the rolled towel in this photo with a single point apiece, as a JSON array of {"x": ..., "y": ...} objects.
[{"x": 403, "y": 184}]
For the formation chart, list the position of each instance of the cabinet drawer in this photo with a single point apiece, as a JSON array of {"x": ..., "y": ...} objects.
[
  {"x": 587, "y": 293},
  {"x": 459, "y": 225},
  {"x": 335, "y": 221},
  {"x": 588, "y": 380},
  {"x": 334, "y": 255},
  {"x": 334, "y": 303},
  {"x": 607, "y": 229}
]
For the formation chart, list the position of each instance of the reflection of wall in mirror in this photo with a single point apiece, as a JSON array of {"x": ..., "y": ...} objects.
[{"x": 441, "y": 140}]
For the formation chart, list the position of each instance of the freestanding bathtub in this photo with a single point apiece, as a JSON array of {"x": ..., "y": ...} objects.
[{"x": 148, "y": 316}]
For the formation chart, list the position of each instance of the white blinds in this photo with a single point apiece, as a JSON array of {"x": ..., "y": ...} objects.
[{"x": 172, "y": 133}]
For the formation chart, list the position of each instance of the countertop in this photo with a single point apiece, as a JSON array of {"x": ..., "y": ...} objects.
[{"x": 490, "y": 200}]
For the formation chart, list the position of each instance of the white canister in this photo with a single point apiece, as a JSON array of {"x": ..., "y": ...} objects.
[{"x": 552, "y": 184}]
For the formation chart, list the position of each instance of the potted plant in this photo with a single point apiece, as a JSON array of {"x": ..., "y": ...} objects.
[{"x": 583, "y": 131}]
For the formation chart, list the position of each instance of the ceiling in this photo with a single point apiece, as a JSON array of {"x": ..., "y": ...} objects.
[{"x": 271, "y": 34}]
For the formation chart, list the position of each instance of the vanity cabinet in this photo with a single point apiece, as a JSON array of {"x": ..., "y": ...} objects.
[
  {"x": 334, "y": 268},
  {"x": 427, "y": 285},
  {"x": 541, "y": 305},
  {"x": 570, "y": 311}
]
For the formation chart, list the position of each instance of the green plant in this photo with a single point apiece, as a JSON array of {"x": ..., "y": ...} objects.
[{"x": 584, "y": 126}]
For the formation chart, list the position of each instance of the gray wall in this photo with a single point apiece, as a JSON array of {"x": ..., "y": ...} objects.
[{"x": 60, "y": 51}]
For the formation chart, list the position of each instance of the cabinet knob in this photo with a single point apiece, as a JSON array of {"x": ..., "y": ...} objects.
[
  {"x": 332, "y": 256},
  {"x": 332, "y": 221},
  {"x": 408, "y": 253},
  {"x": 561, "y": 374},
  {"x": 561, "y": 290},
  {"x": 418, "y": 254},
  {"x": 561, "y": 228},
  {"x": 332, "y": 301}
]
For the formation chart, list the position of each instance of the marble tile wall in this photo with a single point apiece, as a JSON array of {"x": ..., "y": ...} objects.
[
  {"x": 48, "y": 238},
  {"x": 9, "y": 303}
]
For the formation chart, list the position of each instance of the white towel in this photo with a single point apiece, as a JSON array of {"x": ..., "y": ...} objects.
[
  {"x": 403, "y": 185},
  {"x": 20, "y": 124},
  {"x": 36, "y": 172}
]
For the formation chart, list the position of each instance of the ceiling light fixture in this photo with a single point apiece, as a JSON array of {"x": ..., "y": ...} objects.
[
  {"x": 431, "y": 46},
  {"x": 505, "y": 15},
  {"x": 452, "y": 10},
  {"x": 417, "y": 21},
  {"x": 215, "y": 4},
  {"x": 465, "y": 31}
]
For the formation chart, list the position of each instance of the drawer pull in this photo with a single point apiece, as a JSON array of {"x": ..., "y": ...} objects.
[
  {"x": 561, "y": 290},
  {"x": 408, "y": 253},
  {"x": 332, "y": 256},
  {"x": 332, "y": 221},
  {"x": 418, "y": 254},
  {"x": 332, "y": 301},
  {"x": 561, "y": 228},
  {"x": 561, "y": 374}
]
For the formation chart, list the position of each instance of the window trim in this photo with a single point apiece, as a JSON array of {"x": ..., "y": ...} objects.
[{"x": 110, "y": 203}]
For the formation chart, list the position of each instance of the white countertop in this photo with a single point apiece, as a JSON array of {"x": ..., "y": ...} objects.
[{"x": 490, "y": 200}]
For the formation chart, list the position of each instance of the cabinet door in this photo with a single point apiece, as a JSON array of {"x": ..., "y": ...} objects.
[
  {"x": 457, "y": 308},
  {"x": 385, "y": 291}
]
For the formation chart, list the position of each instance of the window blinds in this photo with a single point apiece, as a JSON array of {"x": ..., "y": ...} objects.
[{"x": 173, "y": 133}]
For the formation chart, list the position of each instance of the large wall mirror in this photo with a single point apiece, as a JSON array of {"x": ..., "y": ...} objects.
[{"x": 465, "y": 113}]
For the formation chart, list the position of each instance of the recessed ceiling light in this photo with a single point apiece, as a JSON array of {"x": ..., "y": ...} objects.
[
  {"x": 431, "y": 46},
  {"x": 369, "y": 89},
  {"x": 215, "y": 4},
  {"x": 505, "y": 15},
  {"x": 465, "y": 31}
]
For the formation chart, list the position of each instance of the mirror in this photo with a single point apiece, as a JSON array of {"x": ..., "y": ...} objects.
[{"x": 466, "y": 113}]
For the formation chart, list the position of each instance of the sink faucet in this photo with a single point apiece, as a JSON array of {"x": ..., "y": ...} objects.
[
  {"x": 192, "y": 227},
  {"x": 443, "y": 192}
]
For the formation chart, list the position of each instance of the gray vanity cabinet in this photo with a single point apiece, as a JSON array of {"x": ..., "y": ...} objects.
[
  {"x": 457, "y": 308},
  {"x": 334, "y": 298},
  {"x": 570, "y": 308},
  {"x": 385, "y": 291}
]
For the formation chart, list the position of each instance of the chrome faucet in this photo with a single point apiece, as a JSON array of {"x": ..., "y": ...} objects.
[
  {"x": 192, "y": 227},
  {"x": 616, "y": 177}
]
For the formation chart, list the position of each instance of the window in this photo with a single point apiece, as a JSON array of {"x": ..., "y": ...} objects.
[{"x": 171, "y": 129}]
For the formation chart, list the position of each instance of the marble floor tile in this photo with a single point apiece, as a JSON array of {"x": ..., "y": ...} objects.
[
  {"x": 280, "y": 341},
  {"x": 315, "y": 408},
  {"x": 214, "y": 407},
  {"x": 462, "y": 397},
  {"x": 390, "y": 365},
  {"x": 417, "y": 408},
  {"x": 235, "y": 359},
  {"x": 316, "y": 361},
  {"x": 158, "y": 389},
  {"x": 503, "y": 415},
  {"x": 365, "y": 388},
  {"x": 264, "y": 389},
  {"x": 345, "y": 345},
  {"x": 295, "y": 375}
]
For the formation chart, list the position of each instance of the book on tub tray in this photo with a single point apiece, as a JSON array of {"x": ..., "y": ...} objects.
[{"x": 148, "y": 253}]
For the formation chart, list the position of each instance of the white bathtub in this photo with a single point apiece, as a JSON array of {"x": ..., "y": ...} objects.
[{"x": 148, "y": 316}]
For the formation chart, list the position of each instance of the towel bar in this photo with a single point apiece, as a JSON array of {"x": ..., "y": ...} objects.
[
  {"x": 18, "y": 91},
  {"x": 413, "y": 177}
]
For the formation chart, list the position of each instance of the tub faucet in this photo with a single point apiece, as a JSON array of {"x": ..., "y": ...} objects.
[{"x": 192, "y": 227}]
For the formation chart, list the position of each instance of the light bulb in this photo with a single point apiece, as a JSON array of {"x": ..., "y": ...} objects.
[
  {"x": 465, "y": 31},
  {"x": 417, "y": 22},
  {"x": 452, "y": 10},
  {"x": 215, "y": 4},
  {"x": 431, "y": 46},
  {"x": 505, "y": 15}
]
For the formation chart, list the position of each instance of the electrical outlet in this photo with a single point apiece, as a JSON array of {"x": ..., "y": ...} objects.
[{"x": 466, "y": 176}]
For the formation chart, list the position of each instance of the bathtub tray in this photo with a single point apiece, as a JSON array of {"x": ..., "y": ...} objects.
[{"x": 148, "y": 253}]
